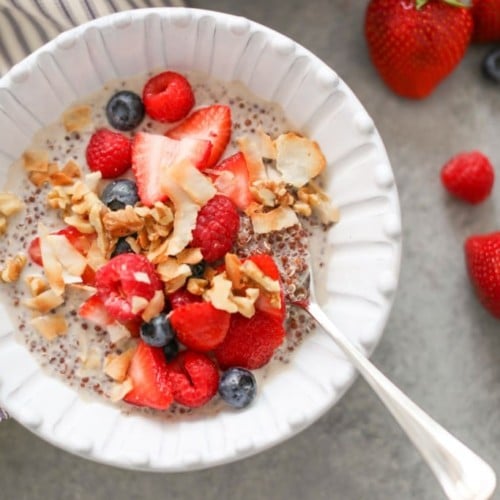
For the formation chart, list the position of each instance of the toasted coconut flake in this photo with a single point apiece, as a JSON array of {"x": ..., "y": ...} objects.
[
  {"x": 171, "y": 269},
  {"x": 119, "y": 391},
  {"x": 162, "y": 213},
  {"x": 246, "y": 305},
  {"x": 36, "y": 284},
  {"x": 95, "y": 257},
  {"x": 50, "y": 326},
  {"x": 10, "y": 204},
  {"x": 220, "y": 293},
  {"x": 266, "y": 145},
  {"x": 154, "y": 307},
  {"x": 159, "y": 254},
  {"x": 68, "y": 256},
  {"x": 72, "y": 169},
  {"x": 274, "y": 220},
  {"x": 190, "y": 256},
  {"x": 44, "y": 302},
  {"x": 250, "y": 269},
  {"x": 123, "y": 222},
  {"x": 298, "y": 159},
  {"x": 133, "y": 244},
  {"x": 95, "y": 219},
  {"x": 77, "y": 118},
  {"x": 196, "y": 185},
  {"x": 93, "y": 359},
  {"x": 253, "y": 156},
  {"x": 13, "y": 268},
  {"x": 263, "y": 195},
  {"x": 36, "y": 161},
  {"x": 233, "y": 271},
  {"x": 81, "y": 223},
  {"x": 92, "y": 181},
  {"x": 38, "y": 178},
  {"x": 197, "y": 286},
  {"x": 117, "y": 332},
  {"x": 3, "y": 224},
  {"x": 116, "y": 365},
  {"x": 61, "y": 179},
  {"x": 139, "y": 304},
  {"x": 52, "y": 267}
]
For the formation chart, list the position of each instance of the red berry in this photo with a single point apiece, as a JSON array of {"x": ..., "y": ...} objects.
[
  {"x": 122, "y": 278},
  {"x": 194, "y": 379},
  {"x": 168, "y": 97},
  {"x": 182, "y": 297},
  {"x": 216, "y": 228},
  {"x": 486, "y": 14},
  {"x": 212, "y": 123},
  {"x": 250, "y": 342},
  {"x": 94, "y": 311},
  {"x": 200, "y": 326},
  {"x": 469, "y": 176},
  {"x": 482, "y": 254},
  {"x": 149, "y": 375},
  {"x": 109, "y": 153}
]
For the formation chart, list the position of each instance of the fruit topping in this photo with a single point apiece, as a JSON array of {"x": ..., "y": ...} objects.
[
  {"x": 491, "y": 65},
  {"x": 94, "y": 311},
  {"x": 157, "y": 332},
  {"x": 149, "y": 376},
  {"x": 469, "y": 176},
  {"x": 121, "y": 247},
  {"x": 171, "y": 350},
  {"x": 237, "y": 387},
  {"x": 486, "y": 15},
  {"x": 168, "y": 97},
  {"x": 216, "y": 228},
  {"x": 126, "y": 284},
  {"x": 198, "y": 270},
  {"x": 212, "y": 123},
  {"x": 194, "y": 379},
  {"x": 200, "y": 326},
  {"x": 181, "y": 297},
  {"x": 109, "y": 152},
  {"x": 125, "y": 110},
  {"x": 482, "y": 254},
  {"x": 119, "y": 193},
  {"x": 250, "y": 342}
]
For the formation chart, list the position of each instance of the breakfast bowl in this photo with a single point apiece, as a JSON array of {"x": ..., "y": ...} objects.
[{"x": 356, "y": 263}]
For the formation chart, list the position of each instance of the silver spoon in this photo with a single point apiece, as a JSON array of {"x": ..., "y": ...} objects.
[{"x": 460, "y": 472}]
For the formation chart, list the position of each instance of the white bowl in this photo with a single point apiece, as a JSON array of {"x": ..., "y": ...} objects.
[{"x": 364, "y": 248}]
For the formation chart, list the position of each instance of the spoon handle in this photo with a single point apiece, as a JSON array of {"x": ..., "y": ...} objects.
[{"x": 461, "y": 473}]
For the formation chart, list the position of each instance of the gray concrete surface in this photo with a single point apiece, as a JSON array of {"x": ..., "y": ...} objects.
[{"x": 440, "y": 346}]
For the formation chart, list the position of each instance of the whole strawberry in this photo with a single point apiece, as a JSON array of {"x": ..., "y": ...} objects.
[
  {"x": 486, "y": 14},
  {"x": 482, "y": 254},
  {"x": 414, "y": 44}
]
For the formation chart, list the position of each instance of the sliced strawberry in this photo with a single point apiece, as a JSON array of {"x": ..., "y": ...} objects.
[
  {"x": 194, "y": 379},
  {"x": 212, "y": 123},
  {"x": 149, "y": 375},
  {"x": 94, "y": 311},
  {"x": 151, "y": 156},
  {"x": 230, "y": 177},
  {"x": 200, "y": 326},
  {"x": 181, "y": 297}
]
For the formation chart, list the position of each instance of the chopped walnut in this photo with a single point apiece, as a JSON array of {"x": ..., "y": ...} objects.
[
  {"x": 51, "y": 326},
  {"x": 13, "y": 268},
  {"x": 219, "y": 294},
  {"x": 250, "y": 269},
  {"x": 77, "y": 118}
]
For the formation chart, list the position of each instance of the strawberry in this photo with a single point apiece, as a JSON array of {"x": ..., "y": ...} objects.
[
  {"x": 109, "y": 153},
  {"x": 268, "y": 266},
  {"x": 250, "y": 342},
  {"x": 486, "y": 14},
  {"x": 212, "y": 123},
  {"x": 469, "y": 176},
  {"x": 182, "y": 297},
  {"x": 194, "y": 379},
  {"x": 94, "y": 311},
  {"x": 121, "y": 279},
  {"x": 168, "y": 97},
  {"x": 149, "y": 375},
  {"x": 199, "y": 325},
  {"x": 151, "y": 156},
  {"x": 230, "y": 177},
  {"x": 482, "y": 255},
  {"x": 415, "y": 44},
  {"x": 216, "y": 228}
]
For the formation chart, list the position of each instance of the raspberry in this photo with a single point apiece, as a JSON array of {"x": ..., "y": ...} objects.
[
  {"x": 120, "y": 280},
  {"x": 168, "y": 97},
  {"x": 200, "y": 326},
  {"x": 109, "y": 153},
  {"x": 193, "y": 378},
  {"x": 469, "y": 176},
  {"x": 216, "y": 228},
  {"x": 181, "y": 297}
]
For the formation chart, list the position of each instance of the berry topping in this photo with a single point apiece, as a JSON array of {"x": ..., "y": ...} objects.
[
  {"x": 231, "y": 178},
  {"x": 119, "y": 193},
  {"x": 198, "y": 270},
  {"x": 182, "y": 297},
  {"x": 120, "y": 280},
  {"x": 200, "y": 326},
  {"x": 194, "y": 379},
  {"x": 469, "y": 176},
  {"x": 94, "y": 311},
  {"x": 152, "y": 155},
  {"x": 171, "y": 349},
  {"x": 216, "y": 228},
  {"x": 121, "y": 247},
  {"x": 491, "y": 65},
  {"x": 237, "y": 387},
  {"x": 157, "y": 332},
  {"x": 109, "y": 153},
  {"x": 125, "y": 110},
  {"x": 149, "y": 375},
  {"x": 168, "y": 97},
  {"x": 486, "y": 14},
  {"x": 482, "y": 253},
  {"x": 212, "y": 123},
  {"x": 250, "y": 342}
]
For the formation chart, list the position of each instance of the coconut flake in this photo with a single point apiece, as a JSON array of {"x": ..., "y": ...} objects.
[
  {"x": 68, "y": 256},
  {"x": 51, "y": 326},
  {"x": 253, "y": 157},
  {"x": 198, "y": 186},
  {"x": 274, "y": 220}
]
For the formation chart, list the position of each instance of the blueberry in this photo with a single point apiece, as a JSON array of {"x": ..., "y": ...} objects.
[
  {"x": 121, "y": 247},
  {"x": 171, "y": 350},
  {"x": 119, "y": 193},
  {"x": 237, "y": 387},
  {"x": 198, "y": 270},
  {"x": 491, "y": 65},
  {"x": 157, "y": 332},
  {"x": 125, "y": 110}
]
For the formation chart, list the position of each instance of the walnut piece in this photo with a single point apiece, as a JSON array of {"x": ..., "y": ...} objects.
[{"x": 13, "y": 268}]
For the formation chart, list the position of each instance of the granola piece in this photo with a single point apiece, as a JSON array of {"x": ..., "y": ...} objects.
[
  {"x": 219, "y": 294},
  {"x": 120, "y": 223},
  {"x": 116, "y": 365},
  {"x": 72, "y": 169},
  {"x": 173, "y": 274},
  {"x": 50, "y": 326},
  {"x": 319, "y": 201},
  {"x": 246, "y": 304},
  {"x": 77, "y": 118},
  {"x": 190, "y": 256},
  {"x": 154, "y": 307},
  {"x": 250, "y": 269},
  {"x": 36, "y": 284},
  {"x": 13, "y": 268},
  {"x": 44, "y": 302},
  {"x": 197, "y": 286},
  {"x": 233, "y": 270}
]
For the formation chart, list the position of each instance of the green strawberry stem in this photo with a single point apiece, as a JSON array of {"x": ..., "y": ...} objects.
[{"x": 455, "y": 3}]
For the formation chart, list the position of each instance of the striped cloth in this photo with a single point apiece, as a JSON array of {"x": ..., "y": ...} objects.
[{"x": 25, "y": 25}]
